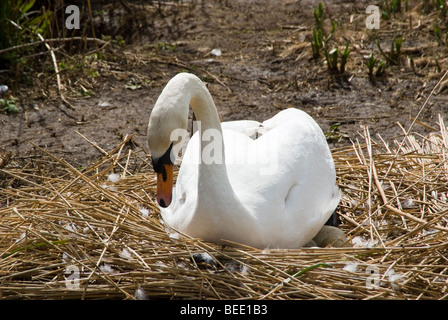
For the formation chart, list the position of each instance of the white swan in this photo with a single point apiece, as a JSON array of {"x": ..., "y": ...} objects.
[{"x": 279, "y": 200}]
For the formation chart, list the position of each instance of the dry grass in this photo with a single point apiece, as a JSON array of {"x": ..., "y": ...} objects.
[{"x": 71, "y": 233}]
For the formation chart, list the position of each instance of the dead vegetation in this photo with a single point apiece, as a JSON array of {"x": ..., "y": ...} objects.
[{"x": 95, "y": 233}]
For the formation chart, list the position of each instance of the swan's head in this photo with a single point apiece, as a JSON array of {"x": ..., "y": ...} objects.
[
  {"x": 163, "y": 166},
  {"x": 170, "y": 113}
]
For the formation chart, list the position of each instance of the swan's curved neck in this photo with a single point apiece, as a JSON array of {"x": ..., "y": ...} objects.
[
  {"x": 204, "y": 108},
  {"x": 171, "y": 110},
  {"x": 213, "y": 180},
  {"x": 207, "y": 115},
  {"x": 171, "y": 113},
  {"x": 187, "y": 91}
]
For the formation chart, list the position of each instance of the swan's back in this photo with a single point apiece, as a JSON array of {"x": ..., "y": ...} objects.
[
  {"x": 295, "y": 194},
  {"x": 285, "y": 179}
]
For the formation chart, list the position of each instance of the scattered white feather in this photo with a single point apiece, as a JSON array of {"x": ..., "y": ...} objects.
[
  {"x": 144, "y": 212},
  {"x": 244, "y": 269},
  {"x": 442, "y": 197},
  {"x": 376, "y": 223},
  {"x": 125, "y": 254},
  {"x": 3, "y": 89},
  {"x": 407, "y": 203},
  {"x": 113, "y": 177},
  {"x": 434, "y": 194},
  {"x": 426, "y": 232},
  {"x": 371, "y": 222},
  {"x": 111, "y": 188},
  {"x": 361, "y": 242},
  {"x": 140, "y": 294},
  {"x": 208, "y": 258},
  {"x": 385, "y": 186},
  {"x": 236, "y": 267},
  {"x": 174, "y": 235},
  {"x": 104, "y": 104},
  {"x": 351, "y": 267},
  {"x": 441, "y": 279},
  {"x": 232, "y": 267},
  {"x": 107, "y": 269},
  {"x": 266, "y": 251},
  {"x": 71, "y": 227},
  {"x": 21, "y": 237},
  {"x": 395, "y": 279},
  {"x": 216, "y": 52}
]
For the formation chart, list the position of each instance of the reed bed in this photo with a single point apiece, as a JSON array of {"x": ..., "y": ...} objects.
[{"x": 95, "y": 232}]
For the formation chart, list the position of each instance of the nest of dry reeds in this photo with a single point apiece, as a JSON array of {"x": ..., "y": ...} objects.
[{"x": 95, "y": 233}]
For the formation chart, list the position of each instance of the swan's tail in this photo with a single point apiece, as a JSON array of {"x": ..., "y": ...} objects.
[{"x": 333, "y": 220}]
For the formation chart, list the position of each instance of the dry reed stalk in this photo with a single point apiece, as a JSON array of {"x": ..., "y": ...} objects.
[{"x": 59, "y": 224}]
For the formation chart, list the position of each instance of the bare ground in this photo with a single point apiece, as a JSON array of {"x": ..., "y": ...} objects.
[{"x": 265, "y": 65}]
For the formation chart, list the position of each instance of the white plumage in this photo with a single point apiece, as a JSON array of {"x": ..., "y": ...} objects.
[{"x": 275, "y": 191}]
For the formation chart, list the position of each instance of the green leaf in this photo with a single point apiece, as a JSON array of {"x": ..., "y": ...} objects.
[
  {"x": 11, "y": 108},
  {"x": 27, "y": 6},
  {"x": 35, "y": 245},
  {"x": 344, "y": 57}
]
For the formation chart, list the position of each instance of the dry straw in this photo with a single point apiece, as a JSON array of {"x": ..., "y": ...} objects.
[{"x": 95, "y": 233}]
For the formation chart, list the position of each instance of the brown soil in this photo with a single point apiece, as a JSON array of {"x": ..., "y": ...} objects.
[{"x": 266, "y": 65}]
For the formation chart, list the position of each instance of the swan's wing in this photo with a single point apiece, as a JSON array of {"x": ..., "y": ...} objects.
[
  {"x": 249, "y": 128},
  {"x": 291, "y": 186}
]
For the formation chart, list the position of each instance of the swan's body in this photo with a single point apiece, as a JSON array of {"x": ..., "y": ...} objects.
[{"x": 280, "y": 201}]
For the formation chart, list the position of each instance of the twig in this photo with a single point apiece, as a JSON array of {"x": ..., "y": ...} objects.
[
  {"x": 426, "y": 102},
  {"x": 55, "y": 64},
  {"x": 416, "y": 117},
  {"x": 217, "y": 80},
  {"x": 96, "y": 146},
  {"x": 372, "y": 171},
  {"x": 30, "y": 44},
  {"x": 105, "y": 220},
  {"x": 397, "y": 211},
  {"x": 91, "y": 21},
  {"x": 183, "y": 65}
]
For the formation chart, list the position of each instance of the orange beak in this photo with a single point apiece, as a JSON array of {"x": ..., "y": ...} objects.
[{"x": 165, "y": 186}]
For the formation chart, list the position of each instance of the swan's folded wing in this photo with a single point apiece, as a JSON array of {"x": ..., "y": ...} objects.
[
  {"x": 291, "y": 186},
  {"x": 249, "y": 128}
]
